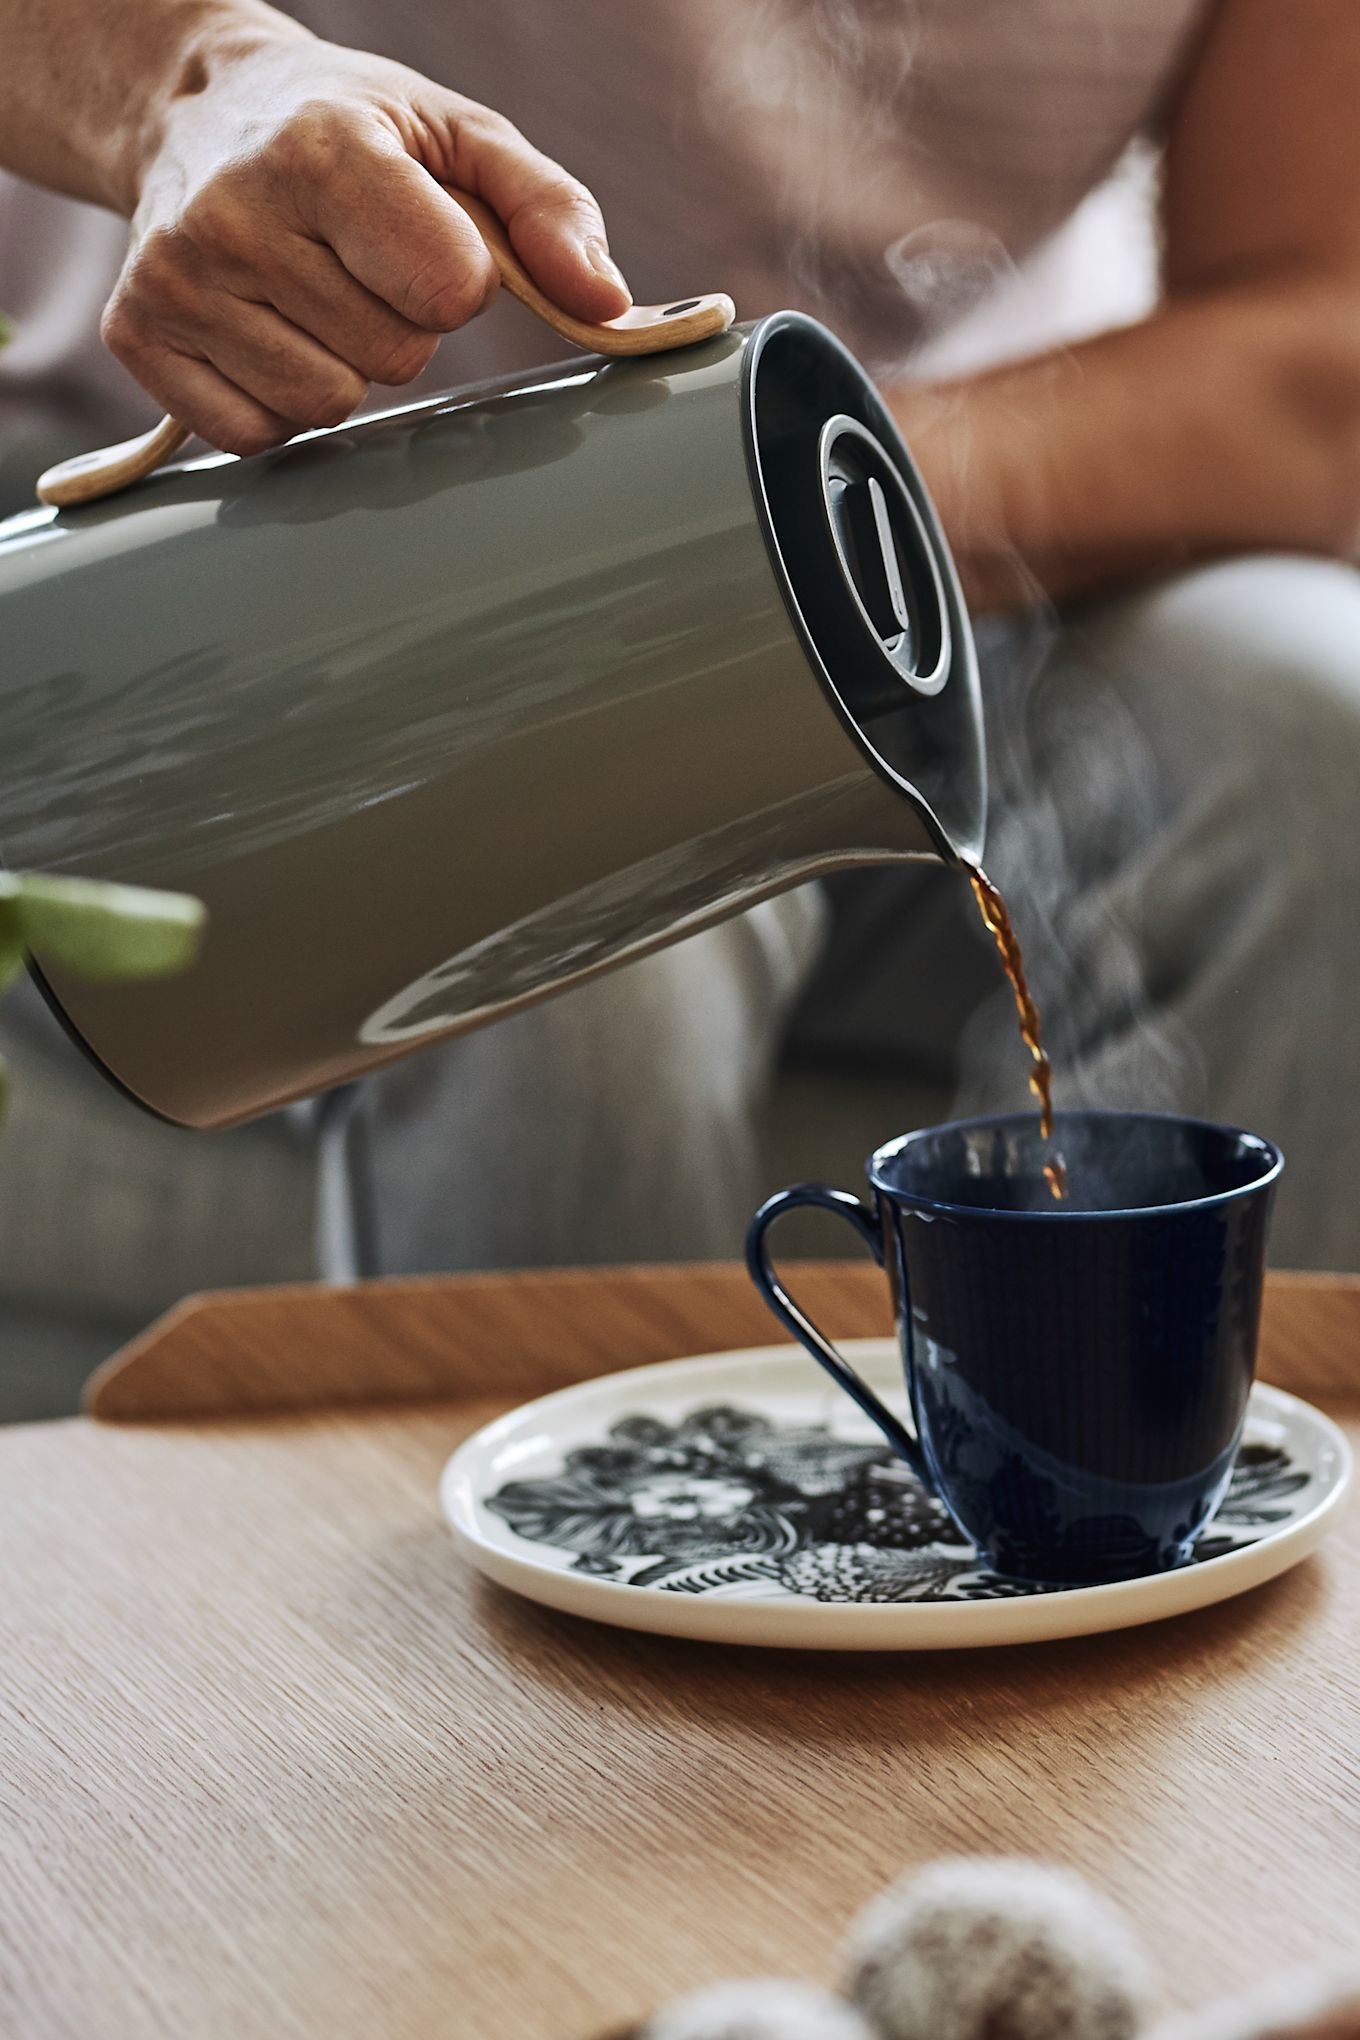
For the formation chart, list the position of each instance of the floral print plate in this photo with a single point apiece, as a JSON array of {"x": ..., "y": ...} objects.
[{"x": 740, "y": 1498}]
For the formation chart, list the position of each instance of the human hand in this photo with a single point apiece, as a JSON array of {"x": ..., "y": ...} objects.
[{"x": 290, "y": 243}]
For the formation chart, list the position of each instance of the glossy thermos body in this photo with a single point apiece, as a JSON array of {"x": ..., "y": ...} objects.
[{"x": 445, "y": 710}]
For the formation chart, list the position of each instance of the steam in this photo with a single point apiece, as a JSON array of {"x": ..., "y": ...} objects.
[
  {"x": 1080, "y": 808},
  {"x": 1079, "y": 823},
  {"x": 820, "y": 93},
  {"x": 945, "y": 270},
  {"x": 801, "y": 61},
  {"x": 902, "y": 232}
]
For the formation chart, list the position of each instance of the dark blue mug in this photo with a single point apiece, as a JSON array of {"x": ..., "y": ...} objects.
[{"x": 1077, "y": 1373}]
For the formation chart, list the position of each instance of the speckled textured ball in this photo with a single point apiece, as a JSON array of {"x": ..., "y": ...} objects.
[
  {"x": 758, "y": 2009},
  {"x": 987, "y": 1949}
]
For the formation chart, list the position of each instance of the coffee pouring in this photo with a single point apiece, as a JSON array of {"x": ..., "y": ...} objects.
[{"x": 443, "y": 710}]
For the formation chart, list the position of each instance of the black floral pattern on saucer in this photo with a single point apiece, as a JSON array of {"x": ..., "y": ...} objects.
[{"x": 728, "y": 1501}]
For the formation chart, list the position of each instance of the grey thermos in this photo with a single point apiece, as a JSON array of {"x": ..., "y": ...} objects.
[{"x": 445, "y": 710}]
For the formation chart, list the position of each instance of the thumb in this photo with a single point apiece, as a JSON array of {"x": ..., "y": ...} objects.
[{"x": 555, "y": 226}]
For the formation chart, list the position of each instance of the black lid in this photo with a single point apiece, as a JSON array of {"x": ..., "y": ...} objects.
[
  {"x": 865, "y": 572},
  {"x": 888, "y": 596}
]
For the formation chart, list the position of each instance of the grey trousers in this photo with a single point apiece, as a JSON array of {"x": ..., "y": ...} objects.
[
  {"x": 1175, "y": 823},
  {"x": 616, "y": 1122}
]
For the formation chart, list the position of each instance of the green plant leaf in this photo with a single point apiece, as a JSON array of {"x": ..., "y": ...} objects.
[{"x": 101, "y": 930}]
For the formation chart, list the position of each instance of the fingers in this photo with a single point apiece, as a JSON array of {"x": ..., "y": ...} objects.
[
  {"x": 394, "y": 230},
  {"x": 236, "y": 373},
  {"x": 401, "y": 237},
  {"x": 269, "y": 292},
  {"x": 555, "y": 225},
  {"x": 191, "y": 330},
  {"x": 212, "y": 407},
  {"x": 284, "y": 370},
  {"x": 317, "y": 294}
]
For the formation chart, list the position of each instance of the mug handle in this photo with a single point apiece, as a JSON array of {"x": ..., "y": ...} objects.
[{"x": 868, "y": 1225}]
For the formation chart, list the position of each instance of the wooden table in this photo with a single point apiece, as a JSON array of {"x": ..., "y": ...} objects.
[{"x": 275, "y": 1764}]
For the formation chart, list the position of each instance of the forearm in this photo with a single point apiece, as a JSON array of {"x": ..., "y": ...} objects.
[
  {"x": 1227, "y": 422},
  {"x": 85, "y": 88}
]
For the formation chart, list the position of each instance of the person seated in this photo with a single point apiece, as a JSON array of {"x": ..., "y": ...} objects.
[{"x": 1149, "y": 478}]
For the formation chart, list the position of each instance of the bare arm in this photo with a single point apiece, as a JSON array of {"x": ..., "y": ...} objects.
[
  {"x": 1230, "y": 419},
  {"x": 290, "y": 244}
]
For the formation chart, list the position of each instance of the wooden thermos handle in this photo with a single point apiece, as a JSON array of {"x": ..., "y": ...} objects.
[{"x": 643, "y": 329}]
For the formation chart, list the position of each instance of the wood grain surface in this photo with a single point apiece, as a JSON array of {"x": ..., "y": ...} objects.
[
  {"x": 275, "y": 1763},
  {"x": 409, "y": 1341}
]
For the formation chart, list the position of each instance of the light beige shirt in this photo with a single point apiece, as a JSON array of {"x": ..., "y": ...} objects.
[{"x": 928, "y": 176}]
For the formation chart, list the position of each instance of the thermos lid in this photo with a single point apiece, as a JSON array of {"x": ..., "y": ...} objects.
[
  {"x": 888, "y": 571},
  {"x": 865, "y": 571}
]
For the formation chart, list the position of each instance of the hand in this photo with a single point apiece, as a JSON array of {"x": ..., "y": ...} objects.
[{"x": 290, "y": 243}]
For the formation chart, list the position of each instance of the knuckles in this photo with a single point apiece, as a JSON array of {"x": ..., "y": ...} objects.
[
  {"x": 439, "y": 299},
  {"x": 563, "y": 203},
  {"x": 309, "y": 142},
  {"x": 317, "y": 408},
  {"x": 158, "y": 280},
  {"x": 120, "y": 330},
  {"x": 242, "y": 437},
  {"x": 482, "y": 126},
  {"x": 401, "y": 361},
  {"x": 224, "y": 221}
]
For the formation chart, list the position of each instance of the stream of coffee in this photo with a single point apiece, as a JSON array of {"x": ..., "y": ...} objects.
[{"x": 996, "y": 918}]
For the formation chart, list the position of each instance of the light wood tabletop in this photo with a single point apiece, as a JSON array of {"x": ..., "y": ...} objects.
[{"x": 274, "y": 1763}]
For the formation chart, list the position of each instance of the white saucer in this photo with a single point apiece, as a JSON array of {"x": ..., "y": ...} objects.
[{"x": 741, "y": 1498}]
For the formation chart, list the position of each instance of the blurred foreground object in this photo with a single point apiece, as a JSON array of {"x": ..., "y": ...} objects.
[{"x": 1001, "y": 1949}]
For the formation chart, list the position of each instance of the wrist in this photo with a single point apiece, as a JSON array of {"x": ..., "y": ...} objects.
[{"x": 192, "y": 46}]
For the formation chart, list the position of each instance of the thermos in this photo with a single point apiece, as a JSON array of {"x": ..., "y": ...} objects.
[{"x": 447, "y": 709}]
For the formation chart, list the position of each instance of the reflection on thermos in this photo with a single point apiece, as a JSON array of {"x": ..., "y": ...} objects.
[{"x": 445, "y": 710}]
